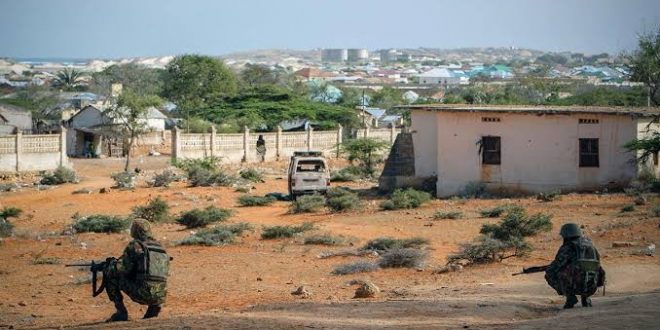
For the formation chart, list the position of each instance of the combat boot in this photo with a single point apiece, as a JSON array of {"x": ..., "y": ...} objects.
[
  {"x": 570, "y": 301},
  {"x": 586, "y": 301},
  {"x": 152, "y": 311},
  {"x": 121, "y": 314}
]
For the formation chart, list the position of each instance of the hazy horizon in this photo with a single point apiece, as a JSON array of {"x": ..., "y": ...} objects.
[{"x": 85, "y": 29}]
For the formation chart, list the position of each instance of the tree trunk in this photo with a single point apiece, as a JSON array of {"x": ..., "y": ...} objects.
[{"x": 128, "y": 152}]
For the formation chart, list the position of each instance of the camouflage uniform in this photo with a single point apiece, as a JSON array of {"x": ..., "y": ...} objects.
[
  {"x": 261, "y": 148},
  {"x": 126, "y": 275},
  {"x": 567, "y": 279}
]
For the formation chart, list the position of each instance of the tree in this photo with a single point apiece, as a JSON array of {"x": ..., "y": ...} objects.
[
  {"x": 196, "y": 82},
  {"x": 645, "y": 64},
  {"x": 139, "y": 78},
  {"x": 366, "y": 151},
  {"x": 129, "y": 116},
  {"x": 68, "y": 79}
]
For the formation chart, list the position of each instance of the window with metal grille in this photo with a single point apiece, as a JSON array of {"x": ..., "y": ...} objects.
[
  {"x": 589, "y": 153},
  {"x": 491, "y": 150}
]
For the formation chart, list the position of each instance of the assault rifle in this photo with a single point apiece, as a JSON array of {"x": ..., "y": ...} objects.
[
  {"x": 95, "y": 268},
  {"x": 530, "y": 270}
]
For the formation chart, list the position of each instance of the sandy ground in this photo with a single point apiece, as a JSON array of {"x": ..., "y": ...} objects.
[{"x": 247, "y": 284}]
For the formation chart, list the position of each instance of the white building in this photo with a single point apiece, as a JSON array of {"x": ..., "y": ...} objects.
[
  {"x": 442, "y": 76},
  {"x": 527, "y": 148}
]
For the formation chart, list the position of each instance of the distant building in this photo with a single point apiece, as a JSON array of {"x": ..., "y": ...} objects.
[
  {"x": 310, "y": 74},
  {"x": 443, "y": 76},
  {"x": 528, "y": 148},
  {"x": 14, "y": 119},
  {"x": 334, "y": 55},
  {"x": 355, "y": 55}
]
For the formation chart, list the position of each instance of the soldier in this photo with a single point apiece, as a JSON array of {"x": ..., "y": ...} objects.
[
  {"x": 141, "y": 273},
  {"x": 576, "y": 269},
  {"x": 261, "y": 148}
]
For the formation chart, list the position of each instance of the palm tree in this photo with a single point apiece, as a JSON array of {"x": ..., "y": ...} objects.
[{"x": 68, "y": 79}]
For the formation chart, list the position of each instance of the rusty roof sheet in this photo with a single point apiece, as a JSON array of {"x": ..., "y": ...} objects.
[{"x": 538, "y": 109}]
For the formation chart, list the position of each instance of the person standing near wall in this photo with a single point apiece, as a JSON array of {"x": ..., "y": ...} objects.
[{"x": 261, "y": 148}]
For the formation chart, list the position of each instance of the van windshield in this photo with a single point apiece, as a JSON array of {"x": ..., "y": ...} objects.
[{"x": 310, "y": 166}]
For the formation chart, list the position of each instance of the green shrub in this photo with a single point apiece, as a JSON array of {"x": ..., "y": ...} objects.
[
  {"x": 157, "y": 210},
  {"x": 205, "y": 172},
  {"x": 284, "y": 231},
  {"x": 355, "y": 267},
  {"x": 340, "y": 200},
  {"x": 307, "y": 204},
  {"x": 402, "y": 258},
  {"x": 405, "y": 199},
  {"x": 61, "y": 175},
  {"x": 46, "y": 261},
  {"x": 628, "y": 208},
  {"x": 549, "y": 196},
  {"x": 100, "y": 223},
  {"x": 387, "y": 243},
  {"x": 248, "y": 200},
  {"x": 517, "y": 224},
  {"x": 163, "y": 179},
  {"x": 202, "y": 217},
  {"x": 124, "y": 180},
  {"x": 505, "y": 239},
  {"x": 493, "y": 212},
  {"x": 325, "y": 239},
  {"x": 6, "y": 227},
  {"x": 216, "y": 236},
  {"x": 347, "y": 174},
  {"x": 655, "y": 211},
  {"x": 252, "y": 174},
  {"x": 448, "y": 215},
  {"x": 474, "y": 190}
]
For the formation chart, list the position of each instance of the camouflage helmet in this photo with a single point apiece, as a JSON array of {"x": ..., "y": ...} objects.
[
  {"x": 570, "y": 230},
  {"x": 141, "y": 229}
]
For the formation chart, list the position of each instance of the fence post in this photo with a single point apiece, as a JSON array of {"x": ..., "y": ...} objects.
[
  {"x": 246, "y": 143},
  {"x": 340, "y": 131},
  {"x": 309, "y": 138},
  {"x": 212, "y": 140},
  {"x": 63, "y": 156},
  {"x": 392, "y": 133},
  {"x": 278, "y": 142},
  {"x": 19, "y": 149},
  {"x": 366, "y": 132},
  {"x": 176, "y": 144}
]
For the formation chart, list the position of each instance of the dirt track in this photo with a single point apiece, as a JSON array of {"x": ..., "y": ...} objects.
[{"x": 219, "y": 286}]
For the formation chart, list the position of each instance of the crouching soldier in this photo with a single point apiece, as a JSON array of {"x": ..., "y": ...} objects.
[
  {"x": 141, "y": 273},
  {"x": 576, "y": 269}
]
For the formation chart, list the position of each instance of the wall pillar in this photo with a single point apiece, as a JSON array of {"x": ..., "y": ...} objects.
[
  {"x": 392, "y": 133},
  {"x": 63, "y": 155},
  {"x": 212, "y": 141},
  {"x": 278, "y": 142},
  {"x": 340, "y": 136},
  {"x": 366, "y": 132},
  {"x": 309, "y": 137},
  {"x": 246, "y": 143},
  {"x": 19, "y": 149},
  {"x": 176, "y": 143}
]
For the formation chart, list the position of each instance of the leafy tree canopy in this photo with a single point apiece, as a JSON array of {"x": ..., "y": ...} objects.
[{"x": 139, "y": 78}]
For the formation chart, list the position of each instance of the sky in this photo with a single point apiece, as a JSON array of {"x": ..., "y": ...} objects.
[{"x": 133, "y": 28}]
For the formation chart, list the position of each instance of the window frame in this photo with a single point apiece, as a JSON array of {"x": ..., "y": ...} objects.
[
  {"x": 589, "y": 152},
  {"x": 492, "y": 156}
]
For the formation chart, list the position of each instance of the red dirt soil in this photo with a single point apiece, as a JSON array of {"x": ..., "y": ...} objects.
[{"x": 247, "y": 284}]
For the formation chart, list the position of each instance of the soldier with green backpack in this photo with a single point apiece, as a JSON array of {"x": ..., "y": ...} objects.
[
  {"x": 141, "y": 273},
  {"x": 576, "y": 269}
]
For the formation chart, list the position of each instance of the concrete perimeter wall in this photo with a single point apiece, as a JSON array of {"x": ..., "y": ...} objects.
[
  {"x": 33, "y": 152},
  {"x": 241, "y": 147}
]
